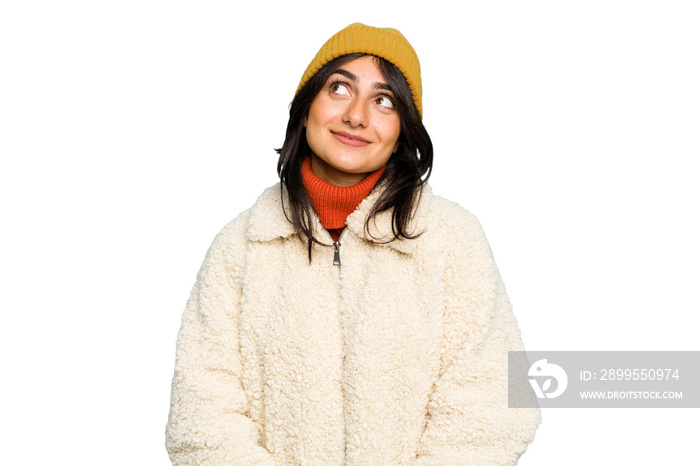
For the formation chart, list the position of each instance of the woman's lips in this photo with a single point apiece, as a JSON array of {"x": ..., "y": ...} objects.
[{"x": 349, "y": 139}]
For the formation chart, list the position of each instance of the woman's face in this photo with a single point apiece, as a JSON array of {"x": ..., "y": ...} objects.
[{"x": 353, "y": 126}]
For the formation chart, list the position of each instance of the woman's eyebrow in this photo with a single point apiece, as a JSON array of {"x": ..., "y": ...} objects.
[
  {"x": 382, "y": 86},
  {"x": 352, "y": 77}
]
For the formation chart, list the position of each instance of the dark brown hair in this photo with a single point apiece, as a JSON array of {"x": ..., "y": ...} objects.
[{"x": 406, "y": 172}]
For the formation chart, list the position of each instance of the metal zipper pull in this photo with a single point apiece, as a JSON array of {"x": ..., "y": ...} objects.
[{"x": 336, "y": 253}]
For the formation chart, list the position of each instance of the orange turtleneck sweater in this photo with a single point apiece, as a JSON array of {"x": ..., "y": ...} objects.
[{"x": 334, "y": 203}]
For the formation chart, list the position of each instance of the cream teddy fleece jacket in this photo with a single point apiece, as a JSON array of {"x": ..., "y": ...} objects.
[{"x": 396, "y": 357}]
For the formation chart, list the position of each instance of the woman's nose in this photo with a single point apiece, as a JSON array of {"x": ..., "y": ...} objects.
[{"x": 357, "y": 113}]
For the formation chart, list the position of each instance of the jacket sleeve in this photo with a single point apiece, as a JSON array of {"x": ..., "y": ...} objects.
[
  {"x": 207, "y": 424},
  {"x": 469, "y": 421}
]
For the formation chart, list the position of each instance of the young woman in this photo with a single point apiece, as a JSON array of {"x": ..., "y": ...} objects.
[{"x": 350, "y": 316}]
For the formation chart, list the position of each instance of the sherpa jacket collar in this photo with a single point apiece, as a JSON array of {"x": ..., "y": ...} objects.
[{"x": 268, "y": 222}]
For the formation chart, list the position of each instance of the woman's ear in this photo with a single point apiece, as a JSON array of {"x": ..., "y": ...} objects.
[{"x": 305, "y": 120}]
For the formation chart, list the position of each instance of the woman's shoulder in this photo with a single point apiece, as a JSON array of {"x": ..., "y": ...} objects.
[
  {"x": 448, "y": 218},
  {"x": 263, "y": 221},
  {"x": 457, "y": 234}
]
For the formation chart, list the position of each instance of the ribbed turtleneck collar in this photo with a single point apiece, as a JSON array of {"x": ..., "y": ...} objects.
[{"x": 334, "y": 203}]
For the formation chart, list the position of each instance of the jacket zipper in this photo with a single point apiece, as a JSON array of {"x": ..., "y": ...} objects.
[
  {"x": 336, "y": 253},
  {"x": 336, "y": 248},
  {"x": 336, "y": 262}
]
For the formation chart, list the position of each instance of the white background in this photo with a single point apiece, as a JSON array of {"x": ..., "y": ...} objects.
[{"x": 132, "y": 131}]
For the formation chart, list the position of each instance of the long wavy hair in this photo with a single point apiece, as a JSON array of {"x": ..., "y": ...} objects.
[{"x": 407, "y": 170}]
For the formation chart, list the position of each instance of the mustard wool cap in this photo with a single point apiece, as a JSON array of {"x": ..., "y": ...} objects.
[{"x": 386, "y": 43}]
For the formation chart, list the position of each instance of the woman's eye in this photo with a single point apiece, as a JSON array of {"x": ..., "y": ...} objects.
[
  {"x": 384, "y": 102},
  {"x": 339, "y": 88}
]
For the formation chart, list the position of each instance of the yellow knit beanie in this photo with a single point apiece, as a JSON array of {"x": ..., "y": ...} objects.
[{"x": 386, "y": 43}]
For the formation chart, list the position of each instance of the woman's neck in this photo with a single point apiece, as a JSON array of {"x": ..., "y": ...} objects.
[{"x": 332, "y": 175}]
